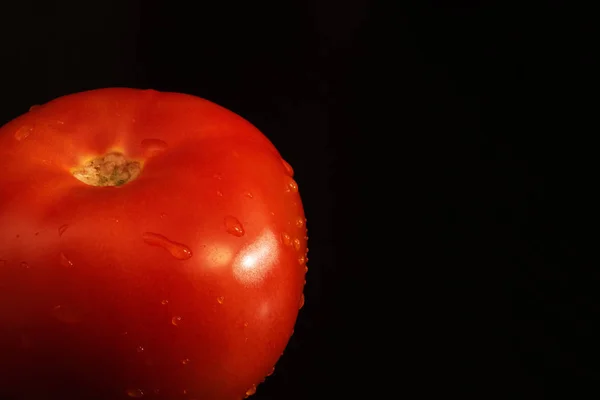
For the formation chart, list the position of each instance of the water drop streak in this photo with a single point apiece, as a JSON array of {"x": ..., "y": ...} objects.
[
  {"x": 233, "y": 226},
  {"x": 177, "y": 250}
]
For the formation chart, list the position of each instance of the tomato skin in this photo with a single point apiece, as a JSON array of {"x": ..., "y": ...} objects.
[{"x": 183, "y": 283}]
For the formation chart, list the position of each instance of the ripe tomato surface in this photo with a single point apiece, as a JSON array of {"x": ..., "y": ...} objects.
[{"x": 152, "y": 245}]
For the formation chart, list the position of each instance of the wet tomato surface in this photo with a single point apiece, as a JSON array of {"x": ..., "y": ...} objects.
[{"x": 152, "y": 245}]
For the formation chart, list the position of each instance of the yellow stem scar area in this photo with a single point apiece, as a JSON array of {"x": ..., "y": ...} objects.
[{"x": 111, "y": 169}]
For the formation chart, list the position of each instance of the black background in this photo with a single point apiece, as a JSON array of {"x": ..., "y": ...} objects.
[{"x": 445, "y": 158}]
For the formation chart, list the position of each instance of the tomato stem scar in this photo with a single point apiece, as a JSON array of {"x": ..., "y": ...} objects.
[{"x": 111, "y": 169}]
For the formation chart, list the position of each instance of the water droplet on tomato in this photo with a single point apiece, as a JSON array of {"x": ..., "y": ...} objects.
[
  {"x": 271, "y": 371},
  {"x": 251, "y": 391},
  {"x": 249, "y": 195},
  {"x": 33, "y": 107},
  {"x": 288, "y": 168},
  {"x": 217, "y": 177},
  {"x": 65, "y": 262},
  {"x": 163, "y": 215},
  {"x": 301, "y": 302},
  {"x": 176, "y": 320},
  {"x": 286, "y": 239},
  {"x": 220, "y": 299},
  {"x": 297, "y": 244},
  {"x": 301, "y": 260},
  {"x": 299, "y": 222},
  {"x": 292, "y": 186},
  {"x": 164, "y": 302},
  {"x": 305, "y": 269},
  {"x": 66, "y": 314},
  {"x": 185, "y": 361},
  {"x": 184, "y": 392},
  {"x": 177, "y": 250},
  {"x": 135, "y": 393},
  {"x": 152, "y": 147},
  {"x": 219, "y": 193},
  {"x": 233, "y": 226},
  {"x": 62, "y": 229},
  {"x": 23, "y": 132},
  {"x": 24, "y": 265},
  {"x": 139, "y": 349}
]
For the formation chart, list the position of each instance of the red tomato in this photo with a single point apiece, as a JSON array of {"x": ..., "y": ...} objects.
[{"x": 152, "y": 245}]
